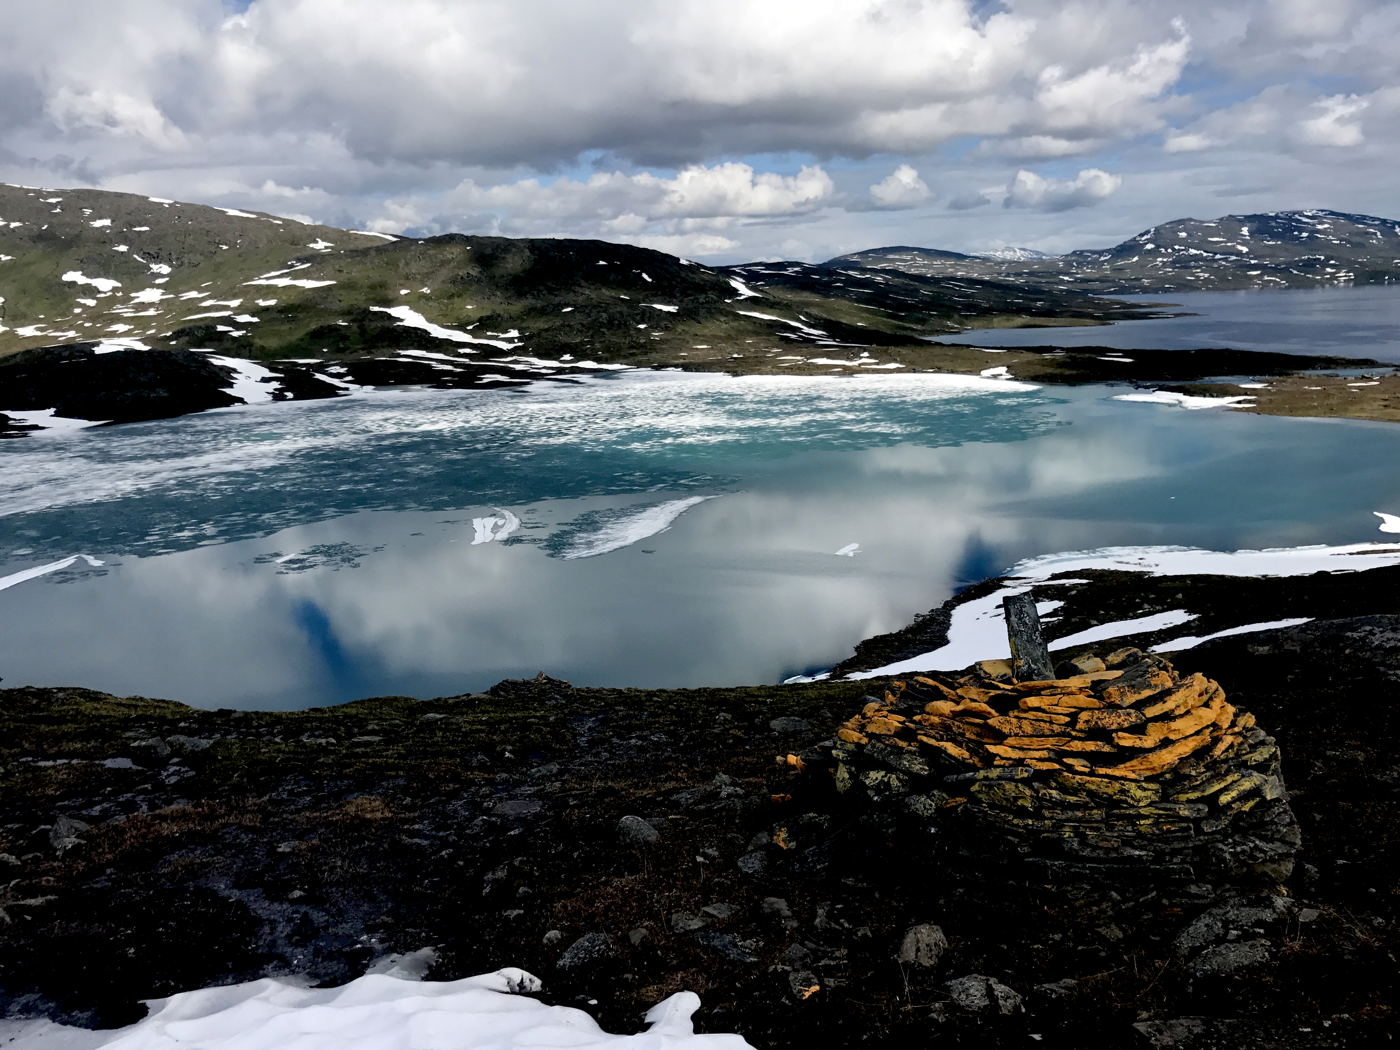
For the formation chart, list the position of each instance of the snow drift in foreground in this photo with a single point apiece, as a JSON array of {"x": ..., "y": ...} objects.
[
  {"x": 384, "y": 1011},
  {"x": 978, "y": 630}
]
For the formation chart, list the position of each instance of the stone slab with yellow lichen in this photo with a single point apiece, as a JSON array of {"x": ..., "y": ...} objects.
[{"x": 1125, "y": 770}]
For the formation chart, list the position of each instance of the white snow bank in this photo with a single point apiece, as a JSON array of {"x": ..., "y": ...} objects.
[
  {"x": 238, "y": 214},
  {"x": 371, "y": 233},
  {"x": 290, "y": 282},
  {"x": 805, "y": 329},
  {"x": 745, "y": 292},
  {"x": 410, "y": 318},
  {"x": 1140, "y": 625},
  {"x": 375, "y": 1012},
  {"x": 149, "y": 295},
  {"x": 999, "y": 372},
  {"x": 100, "y": 222},
  {"x": 248, "y": 380},
  {"x": 1191, "y": 401},
  {"x": 978, "y": 632},
  {"x": 1191, "y": 641},
  {"x": 1186, "y": 561},
  {"x": 635, "y": 525},
  {"x": 6, "y": 582},
  {"x": 662, "y": 306},
  {"x": 978, "y": 629},
  {"x": 102, "y": 284},
  {"x": 112, "y": 345},
  {"x": 850, "y": 550},
  {"x": 44, "y": 417},
  {"x": 494, "y": 528}
]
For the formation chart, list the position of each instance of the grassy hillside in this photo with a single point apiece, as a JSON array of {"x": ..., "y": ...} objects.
[{"x": 84, "y": 265}]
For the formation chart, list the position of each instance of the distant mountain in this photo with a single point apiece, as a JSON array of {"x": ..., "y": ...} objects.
[
  {"x": 1288, "y": 249},
  {"x": 1014, "y": 255}
]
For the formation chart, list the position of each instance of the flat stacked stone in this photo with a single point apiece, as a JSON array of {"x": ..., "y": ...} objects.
[{"x": 1125, "y": 770}]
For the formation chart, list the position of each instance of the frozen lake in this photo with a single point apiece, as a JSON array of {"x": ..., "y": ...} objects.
[{"x": 653, "y": 529}]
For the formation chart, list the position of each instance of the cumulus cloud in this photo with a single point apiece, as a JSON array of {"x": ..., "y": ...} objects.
[
  {"x": 1335, "y": 123},
  {"x": 1089, "y": 187},
  {"x": 682, "y": 212},
  {"x": 902, "y": 188},
  {"x": 462, "y": 115}
]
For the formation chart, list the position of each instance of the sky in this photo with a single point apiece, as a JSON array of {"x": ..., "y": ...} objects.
[{"x": 719, "y": 130}]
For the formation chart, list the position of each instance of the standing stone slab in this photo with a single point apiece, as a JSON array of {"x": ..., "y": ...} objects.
[{"x": 1030, "y": 659}]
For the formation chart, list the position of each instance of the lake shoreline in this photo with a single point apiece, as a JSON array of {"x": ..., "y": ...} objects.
[{"x": 62, "y": 386}]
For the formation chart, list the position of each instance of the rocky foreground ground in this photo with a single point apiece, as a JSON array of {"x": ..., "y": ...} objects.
[{"x": 624, "y": 844}]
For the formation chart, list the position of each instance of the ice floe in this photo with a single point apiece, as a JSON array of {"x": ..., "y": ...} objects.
[
  {"x": 1389, "y": 522},
  {"x": 494, "y": 529},
  {"x": 6, "y": 582},
  {"x": 391, "y": 1009},
  {"x": 630, "y": 526},
  {"x": 1190, "y": 401},
  {"x": 850, "y": 550}
]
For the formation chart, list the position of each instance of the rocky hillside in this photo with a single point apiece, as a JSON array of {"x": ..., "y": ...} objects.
[
  {"x": 90, "y": 265},
  {"x": 1289, "y": 249}
]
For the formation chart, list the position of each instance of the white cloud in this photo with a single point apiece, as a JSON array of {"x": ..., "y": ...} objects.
[
  {"x": 1089, "y": 187},
  {"x": 902, "y": 188},
  {"x": 113, "y": 111},
  {"x": 1335, "y": 123},
  {"x": 462, "y": 115},
  {"x": 682, "y": 212}
]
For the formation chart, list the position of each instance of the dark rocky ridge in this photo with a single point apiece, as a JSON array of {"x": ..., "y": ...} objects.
[{"x": 313, "y": 841}]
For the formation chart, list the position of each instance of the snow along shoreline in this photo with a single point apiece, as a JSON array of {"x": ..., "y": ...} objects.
[{"x": 978, "y": 631}]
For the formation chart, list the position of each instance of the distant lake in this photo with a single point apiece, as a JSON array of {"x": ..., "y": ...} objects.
[
  {"x": 1346, "y": 322},
  {"x": 652, "y": 529}
]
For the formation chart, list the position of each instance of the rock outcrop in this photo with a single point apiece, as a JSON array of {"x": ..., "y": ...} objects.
[{"x": 1126, "y": 774}]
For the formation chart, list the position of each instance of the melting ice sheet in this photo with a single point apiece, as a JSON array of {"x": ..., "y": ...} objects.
[
  {"x": 431, "y": 543},
  {"x": 375, "y": 1012}
]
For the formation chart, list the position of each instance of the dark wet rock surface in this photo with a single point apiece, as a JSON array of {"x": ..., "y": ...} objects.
[{"x": 487, "y": 826}]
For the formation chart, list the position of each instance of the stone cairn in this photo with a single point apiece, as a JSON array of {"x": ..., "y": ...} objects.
[{"x": 1124, "y": 771}]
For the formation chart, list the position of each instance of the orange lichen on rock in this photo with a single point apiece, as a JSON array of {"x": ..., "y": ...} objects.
[{"x": 1055, "y": 755}]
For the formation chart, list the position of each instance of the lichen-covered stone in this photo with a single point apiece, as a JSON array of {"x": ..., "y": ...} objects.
[{"x": 1129, "y": 768}]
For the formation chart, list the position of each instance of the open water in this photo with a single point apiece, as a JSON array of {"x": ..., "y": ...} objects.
[
  {"x": 1343, "y": 322},
  {"x": 649, "y": 529}
]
